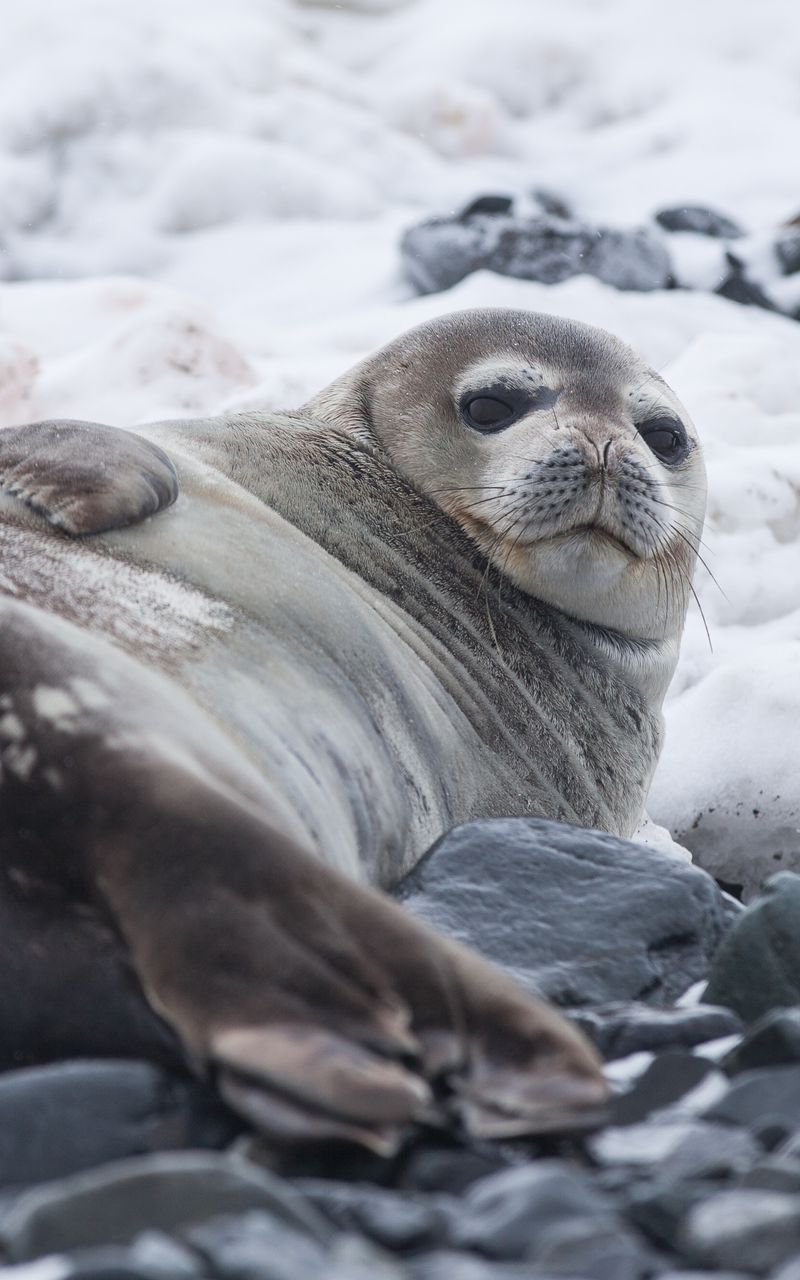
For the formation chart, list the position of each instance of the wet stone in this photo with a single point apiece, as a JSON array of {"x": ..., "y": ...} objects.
[
  {"x": 657, "y": 1208},
  {"x": 755, "y": 1230},
  {"x": 584, "y": 1247},
  {"x": 400, "y": 1222},
  {"x": 449, "y": 1265},
  {"x": 670, "y": 1077},
  {"x": 115, "y": 1203},
  {"x": 774, "y": 1172},
  {"x": 621, "y": 1029},
  {"x": 757, "y": 1098},
  {"x": 428, "y": 1167},
  {"x": 504, "y": 1216},
  {"x": 152, "y": 1256},
  {"x": 772, "y": 1041},
  {"x": 509, "y": 886},
  {"x": 60, "y": 1119},
  {"x": 757, "y": 968},
  {"x": 711, "y": 1151},
  {"x": 256, "y": 1245},
  {"x": 700, "y": 219}
]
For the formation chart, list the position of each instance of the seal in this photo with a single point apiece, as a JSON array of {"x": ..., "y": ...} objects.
[{"x": 452, "y": 585}]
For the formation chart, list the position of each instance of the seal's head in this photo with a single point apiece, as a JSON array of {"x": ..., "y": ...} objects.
[{"x": 568, "y": 461}]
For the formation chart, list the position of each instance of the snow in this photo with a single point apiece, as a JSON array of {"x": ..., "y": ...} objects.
[{"x": 200, "y": 207}]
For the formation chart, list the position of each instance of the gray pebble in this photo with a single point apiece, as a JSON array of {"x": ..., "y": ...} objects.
[
  {"x": 115, "y": 1203},
  {"x": 756, "y": 1230},
  {"x": 504, "y": 1216}
]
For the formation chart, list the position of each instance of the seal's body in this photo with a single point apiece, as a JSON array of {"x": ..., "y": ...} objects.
[{"x": 321, "y": 656}]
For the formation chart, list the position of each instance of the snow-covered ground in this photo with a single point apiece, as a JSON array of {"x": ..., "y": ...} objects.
[{"x": 200, "y": 205}]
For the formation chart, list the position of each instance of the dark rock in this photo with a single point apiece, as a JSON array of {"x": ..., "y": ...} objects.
[
  {"x": 115, "y": 1203},
  {"x": 550, "y": 202},
  {"x": 711, "y": 1151},
  {"x": 757, "y": 967},
  {"x": 701, "y": 220},
  {"x": 438, "y": 253},
  {"x": 704, "y": 1275},
  {"x": 487, "y": 204},
  {"x": 757, "y": 1097},
  {"x": 583, "y": 1247},
  {"x": 59, "y": 1119},
  {"x": 738, "y": 287},
  {"x": 642, "y": 1146},
  {"x": 398, "y": 1221},
  {"x": 668, "y": 1078},
  {"x": 504, "y": 1216},
  {"x": 445, "y": 1264},
  {"x": 256, "y": 1245},
  {"x": 658, "y": 1207},
  {"x": 545, "y": 900},
  {"x": 428, "y": 1167},
  {"x": 787, "y": 250},
  {"x": 774, "y": 1173},
  {"x": 771, "y": 1042},
  {"x": 620, "y": 1029},
  {"x": 755, "y": 1230},
  {"x": 152, "y": 1256},
  {"x": 789, "y": 1270}
]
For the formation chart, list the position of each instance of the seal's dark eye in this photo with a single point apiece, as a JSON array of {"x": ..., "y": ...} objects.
[
  {"x": 487, "y": 413},
  {"x": 667, "y": 439}
]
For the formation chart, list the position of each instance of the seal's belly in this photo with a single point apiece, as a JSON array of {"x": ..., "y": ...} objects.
[{"x": 339, "y": 699}]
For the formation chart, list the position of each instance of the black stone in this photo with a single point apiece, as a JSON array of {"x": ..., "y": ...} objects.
[
  {"x": 115, "y": 1203},
  {"x": 255, "y": 1245},
  {"x": 438, "y": 253},
  {"x": 771, "y": 1042},
  {"x": 774, "y": 1172},
  {"x": 711, "y": 1151},
  {"x": 787, "y": 250},
  {"x": 668, "y": 1078},
  {"x": 446, "y": 1264},
  {"x": 701, "y": 220},
  {"x": 152, "y": 1256},
  {"x": 545, "y": 901},
  {"x": 487, "y": 204},
  {"x": 428, "y": 1167},
  {"x": 397, "y": 1221},
  {"x": 505, "y": 1215},
  {"x": 59, "y": 1119},
  {"x": 755, "y": 1230},
  {"x": 738, "y": 287},
  {"x": 658, "y": 1207},
  {"x": 584, "y": 1247},
  {"x": 757, "y": 967},
  {"x": 620, "y": 1029},
  {"x": 758, "y": 1097}
]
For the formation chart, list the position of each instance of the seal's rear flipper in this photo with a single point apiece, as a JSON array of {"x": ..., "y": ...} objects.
[
  {"x": 83, "y": 477},
  {"x": 324, "y": 1009}
]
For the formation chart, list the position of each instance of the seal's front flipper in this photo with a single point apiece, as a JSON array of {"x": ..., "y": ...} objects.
[{"x": 83, "y": 477}]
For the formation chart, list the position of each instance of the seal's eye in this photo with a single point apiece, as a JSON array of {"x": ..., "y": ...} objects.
[
  {"x": 667, "y": 439},
  {"x": 487, "y": 413}
]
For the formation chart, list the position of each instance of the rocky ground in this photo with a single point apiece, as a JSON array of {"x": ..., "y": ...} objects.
[
  {"x": 538, "y": 237},
  {"x": 117, "y": 1169}
]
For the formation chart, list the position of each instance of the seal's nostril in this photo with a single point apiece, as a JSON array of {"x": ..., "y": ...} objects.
[{"x": 605, "y": 453}]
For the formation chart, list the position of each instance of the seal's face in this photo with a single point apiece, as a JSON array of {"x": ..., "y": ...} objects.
[{"x": 563, "y": 456}]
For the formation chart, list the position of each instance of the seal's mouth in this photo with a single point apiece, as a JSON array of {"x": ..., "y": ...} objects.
[{"x": 599, "y": 532}]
